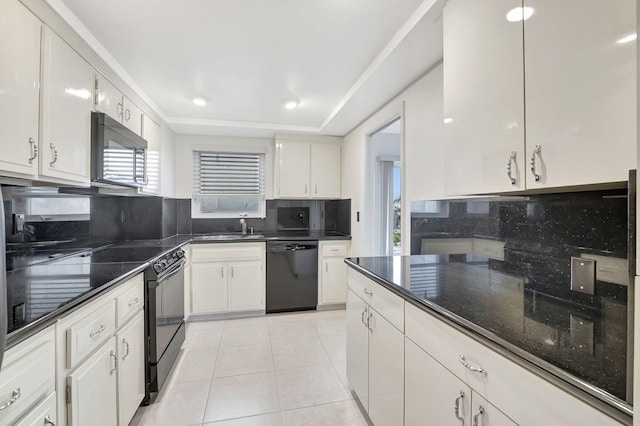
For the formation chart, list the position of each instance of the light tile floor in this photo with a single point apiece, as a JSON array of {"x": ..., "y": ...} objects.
[{"x": 275, "y": 370}]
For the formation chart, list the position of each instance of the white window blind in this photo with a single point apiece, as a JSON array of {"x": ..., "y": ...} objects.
[{"x": 227, "y": 184}]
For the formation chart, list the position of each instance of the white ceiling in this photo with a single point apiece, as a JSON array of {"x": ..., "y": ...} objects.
[{"x": 342, "y": 59}]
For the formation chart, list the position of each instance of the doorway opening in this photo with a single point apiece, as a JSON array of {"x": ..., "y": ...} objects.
[{"x": 386, "y": 174}]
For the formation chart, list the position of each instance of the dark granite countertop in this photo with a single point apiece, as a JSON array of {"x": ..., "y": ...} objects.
[
  {"x": 584, "y": 346},
  {"x": 48, "y": 281}
]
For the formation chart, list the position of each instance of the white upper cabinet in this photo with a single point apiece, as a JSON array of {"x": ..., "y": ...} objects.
[
  {"x": 151, "y": 133},
  {"x": 325, "y": 170},
  {"x": 293, "y": 169},
  {"x": 113, "y": 103},
  {"x": 20, "y": 33},
  {"x": 564, "y": 67},
  {"x": 580, "y": 91},
  {"x": 67, "y": 83},
  {"x": 483, "y": 97},
  {"x": 307, "y": 169}
]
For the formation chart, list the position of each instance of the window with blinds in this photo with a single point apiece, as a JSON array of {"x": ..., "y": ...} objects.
[{"x": 228, "y": 184}]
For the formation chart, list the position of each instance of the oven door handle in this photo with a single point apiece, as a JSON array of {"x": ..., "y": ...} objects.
[{"x": 170, "y": 272}]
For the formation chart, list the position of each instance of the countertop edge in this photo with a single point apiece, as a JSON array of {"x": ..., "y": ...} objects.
[{"x": 581, "y": 389}]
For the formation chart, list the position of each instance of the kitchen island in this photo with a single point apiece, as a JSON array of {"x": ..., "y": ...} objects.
[{"x": 478, "y": 323}]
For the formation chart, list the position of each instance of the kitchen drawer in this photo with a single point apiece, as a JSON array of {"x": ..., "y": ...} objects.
[
  {"x": 382, "y": 300},
  {"x": 334, "y": 249},
  {"x": 130, "y": 300},
  {"x": 44, "y": 412},
  {"x": 89, "y": 331},
  {"x": 227, "y": 251},
  {"x": 517, "y": 392},
  {"x": 27, "y": 375}
]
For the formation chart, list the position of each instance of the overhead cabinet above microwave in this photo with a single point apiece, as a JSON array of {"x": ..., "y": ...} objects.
[{"x": 113, "y": 103}]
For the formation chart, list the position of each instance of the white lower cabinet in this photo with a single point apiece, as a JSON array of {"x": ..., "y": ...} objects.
[
  {"x": 375, "y": 361},
  {"x": 332, "y": 273},
  {"x": 131, "y": 364},
  {"x": 44, "y": 414},
  {"x": 450, "y": 401},
  {"x": 92, "y": 389},
  {"x": 101, "y": 359},
  {"x": 227, "y": 277},
  {"x": 27, "y": 379}
]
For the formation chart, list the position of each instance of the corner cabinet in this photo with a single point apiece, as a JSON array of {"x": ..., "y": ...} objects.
[
  {"x": 65, "y": 110},
  {"x": 332, "y": 273},
  {"x": 20, "y": 34},
  {"x": 566, "y": 70},
  {"x": 375, "y": 349},
  {"x": 227, "y": 277},
  {"x": 308, "y": 168}
]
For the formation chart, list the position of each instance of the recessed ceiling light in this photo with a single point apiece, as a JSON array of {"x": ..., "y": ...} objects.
[
  {"x": 200, "y": 101},
  {"x": 627, "y": 39},
  {"x": 291, "y": 103},
  {"x": 448, "y": 120},
  {"x": 518, "y": 14}
]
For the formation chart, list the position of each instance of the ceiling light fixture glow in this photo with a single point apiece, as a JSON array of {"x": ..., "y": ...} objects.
[
  {"x": 627, "y": 39},
  {"x": 200, "y": 101},
  {"x": 518, "y": 14},
  {"x": 290, "y": 103},
  {"x": 448, "y": 120}
]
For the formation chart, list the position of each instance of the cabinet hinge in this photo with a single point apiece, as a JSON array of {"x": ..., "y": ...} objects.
[{"x": 68, "y": 394}]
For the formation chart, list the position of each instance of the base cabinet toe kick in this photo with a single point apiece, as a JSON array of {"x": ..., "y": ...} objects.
[{"x": 406, "y": 365}]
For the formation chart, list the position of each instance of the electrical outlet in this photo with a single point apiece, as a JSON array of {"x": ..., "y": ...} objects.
[
  {"x": 18, "y": 223},
  {"x": 583, "y": 275}
]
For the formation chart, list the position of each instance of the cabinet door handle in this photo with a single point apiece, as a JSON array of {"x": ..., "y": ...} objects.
[
  {"x": 512, "y": 159},
  {"x": 316, "y": 189},
  {"x": 98, "y": 331},
  {"x": 456, "y": 406},
  {"x": 47, "y": 421},
  {"x": 126, "y": 347},
  {"x": 119, "y": 109},
  {"x": 232, "y": 272},
  {"x": 15, "y": 395},
  {"x": 134, "y": 303},
  {"x": 115, "y": 363},
  {"x": 54, "y": 154},
  {"x": 478, "y": 370},
  {"x": 536, "y": 151},
  {"x": 478, "y": 415},
  {"x": 305, "y": 188},
  {"x": 326, "y": 267},
  {"x": 34, "y": 150},
  {"x": 370, "y": 322},
  {"x": 364, "y": 312},
  {"x": 222, "y": 272},
  {"x": 127, "y": 115}
]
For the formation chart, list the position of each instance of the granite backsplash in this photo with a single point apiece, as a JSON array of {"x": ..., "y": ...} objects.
[{"x": 537, "y": 235}]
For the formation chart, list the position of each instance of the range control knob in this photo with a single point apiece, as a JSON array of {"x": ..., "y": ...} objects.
[
  {"x": 179, "y": 254},
  {"x": 157, "y": 267}
]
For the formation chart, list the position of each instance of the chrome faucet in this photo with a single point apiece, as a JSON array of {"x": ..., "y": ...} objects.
[{"x": 243, "y": 224}]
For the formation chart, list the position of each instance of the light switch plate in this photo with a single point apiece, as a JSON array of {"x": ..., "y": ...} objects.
[
  {"x": 583, "y": 275},
  {"x": 581, "y": 334}
]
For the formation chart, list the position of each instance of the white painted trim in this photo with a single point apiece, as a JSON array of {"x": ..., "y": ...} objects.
[{"x": 244, "y": 124}]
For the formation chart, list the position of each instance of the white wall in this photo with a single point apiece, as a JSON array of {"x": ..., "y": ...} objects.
[
  {"x": 167, "y": 163},
  {"x": 185, "y": 144},
  {"x": 421, "y": 107}
]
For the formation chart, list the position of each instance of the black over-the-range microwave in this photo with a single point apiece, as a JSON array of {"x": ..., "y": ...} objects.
[{"x": 118, "y": 155}]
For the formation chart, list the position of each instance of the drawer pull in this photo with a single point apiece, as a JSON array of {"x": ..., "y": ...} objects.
[
  {"x": 367, "y": 292},
  {"x": 115, "y": 363},
  {"x": 334, "y": 250},
  {"x": 47, "y": 420},
  {"x": 134, "y": 303},
  {"x": 477, "y": 416},
  {"x": 97, "y": 332},
  {"x": 456, "y": 407},
  {"x": 478, "y": 370},
  {"x": 15, "y": 395}
]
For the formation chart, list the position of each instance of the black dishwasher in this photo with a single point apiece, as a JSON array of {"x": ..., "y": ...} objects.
[{"x": 292, "y": 276}]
